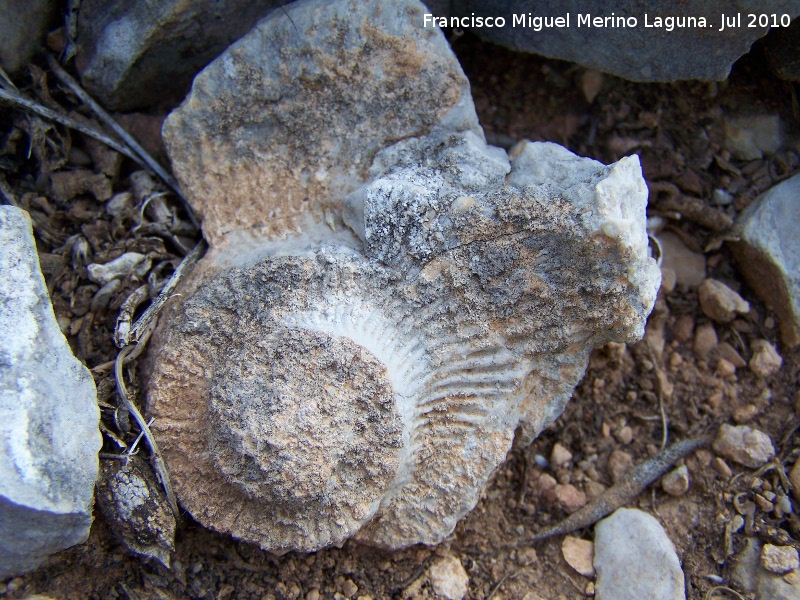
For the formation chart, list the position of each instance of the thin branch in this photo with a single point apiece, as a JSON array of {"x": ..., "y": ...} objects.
[
  {"x": 158, "y": 461},
  {"x": 141, "y": 324},
  {"x": 65, "y": 78},
  {"x": 47, "y": 113}
]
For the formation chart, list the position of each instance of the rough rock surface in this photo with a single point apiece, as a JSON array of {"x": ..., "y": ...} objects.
[
  {"x": 765, "y": 360},
  {"x": 769, "y": 253},
  {"x": 49, "y": 437},
  {"x": 744, "y": 445},
  {"x": 637, "y": 53},
  {"x": 289, "y": 119},
  {"x": 719, "y": 302},
  {"x": 359, "y": 367},
  {"x": 750, "y": 576},
  {"x": 135, "y": 54},
  {"x": 22, "y": 24},
  {"x": 635, "y": 559}
]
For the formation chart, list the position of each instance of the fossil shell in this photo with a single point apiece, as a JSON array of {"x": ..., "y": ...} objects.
[{"x": 359, "y": 367}]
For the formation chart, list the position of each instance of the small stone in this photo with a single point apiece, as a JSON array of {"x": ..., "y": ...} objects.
[
  {"x": 579, "y": 555},
  {"x": 546, "y": 482},
  {"x": 635, "y": 559},
  {"x": 794, "y": 479},
  {"x": 117, "y": 268},
  {"x": 669, "y": 279},
  {"x": 121, "y": 205},
  {"x": 683, "y": 328},
  {"x": 749, "y": 138},
  {"x": 593, "y": 489},
  {"x": 725, "y": 368},
  {"x": 779, "y": 559},
  {"x": 570, "y": 497},
  {"x": 689, "y": 267},
  {"x": 792, "y": 578},
  {"x": 744, "y": 445},
  {"x": 618, "y": 464},
  {"x": 448, "y": 578},
  {"x": 745, "y": 414},
  {"x": 313, "y": 594},
  {"x": 765, "y": 360},
  {"x": 726, "y": 351},
  {"x": 624, "y": 435},
  {"x": 715, "y": 400},
  {"x": 705, "y": 340},
  {"x": 750, "y": 576},
  {"x": 676, "y": 482},
  {"x": 768, "y": 254},
  {"x": 560, "y": 455},
  {"x": 349, "y": 588},
  {"x": 721, "y": 467},
  {"x": 591, "y": 83},
  {"x": 719, "y": 302}
]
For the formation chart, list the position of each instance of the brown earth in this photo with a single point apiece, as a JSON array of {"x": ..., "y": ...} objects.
[{"x": 677, "y": 129}]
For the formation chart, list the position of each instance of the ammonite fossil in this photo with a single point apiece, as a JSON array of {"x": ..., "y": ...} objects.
[{"x": 354, "y": 355}]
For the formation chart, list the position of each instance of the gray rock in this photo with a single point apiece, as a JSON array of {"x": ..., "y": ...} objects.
[
  {"x": 638, "y": 53},
  {"x": 769, "y": 253},
  {"x": 136, "y": 54},
  {"x": 744, "y": 445},
  {"x": 254, "y": 149},
  {"x": 22, "y": 24},
  {"x": 49, "y": 437},
  {"x": 749, "y": 575},
  {"x": 635, "y": 559}
]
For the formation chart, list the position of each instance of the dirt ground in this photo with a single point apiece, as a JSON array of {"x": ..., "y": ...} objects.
[{"x": 677, "y": 129}]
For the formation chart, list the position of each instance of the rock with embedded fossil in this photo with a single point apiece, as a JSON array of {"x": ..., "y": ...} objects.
[{"x": 356, "y": 365}]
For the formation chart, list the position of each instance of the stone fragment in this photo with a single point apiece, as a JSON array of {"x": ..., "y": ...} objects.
[
  {"x": 387, "y": 301},
  {"x": 136, "y": 509},
  {"x": 744, "y": 445},
  {"x": 765, "y": 360},
  {"x": 779, "y": 559},
  {"x": 570, "y": 497},
  {"x": 640, "y": 51},
  {"x": 750, "y": 576},
  {"x": 750, "y": 138},
  {"x": 448, "y": 578},
  {"x": 22, "y": 25},
  {"x": 768, "y": 254},
  {"x": 719, "y": 302},
  {"x": 794, "y": 478},
  {"x": 618, "y": 464},
  {"x": 138, "y": 54},
  {"x": 119, "y": 267},
  {"x": 560, "y": 456},
  {"x": 65, "y": 185},
  {"x": 725, "y": 368},
  {"x": 745, "y": 414},
  {"x": 726, "y": 351},
  {"x": 579, "y": 555},
  {"x": 49, "y": 436},
  {"x": 689, "y": 267},
  {"x": 350, "y": 589},
  {"x": 635, "y": 559},
  {"x": 676, "y": 482}
]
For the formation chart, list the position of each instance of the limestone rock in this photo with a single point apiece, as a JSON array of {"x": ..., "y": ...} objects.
[
  {"x": 765, "y": 360},
  {"x": 448, "y": 578},
  {"x": 744, "y": 445},
  {"x": 750, "y": 576},
  {"x": 370, "y": 328},
  {"x": 48, "y": 414},
  {"x": 638, "y": 53},
  {"x": 779, "y": 559},
  {"x": 635, "y": 559},
  {"x": 719, "y": 302},
  {"x": 22, "y": 25},
  {"x": 769, "y": 253},
  {"x": 136, "y": 54},
  {"x": 579, "y": 554}
]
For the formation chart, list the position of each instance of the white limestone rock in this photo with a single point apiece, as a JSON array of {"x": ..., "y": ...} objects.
[
  {"x": 49, "y": 437},
  {"x": 635, "y": 559}
]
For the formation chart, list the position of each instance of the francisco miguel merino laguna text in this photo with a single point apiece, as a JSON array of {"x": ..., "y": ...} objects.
[{"x": 612, "y": 21}]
